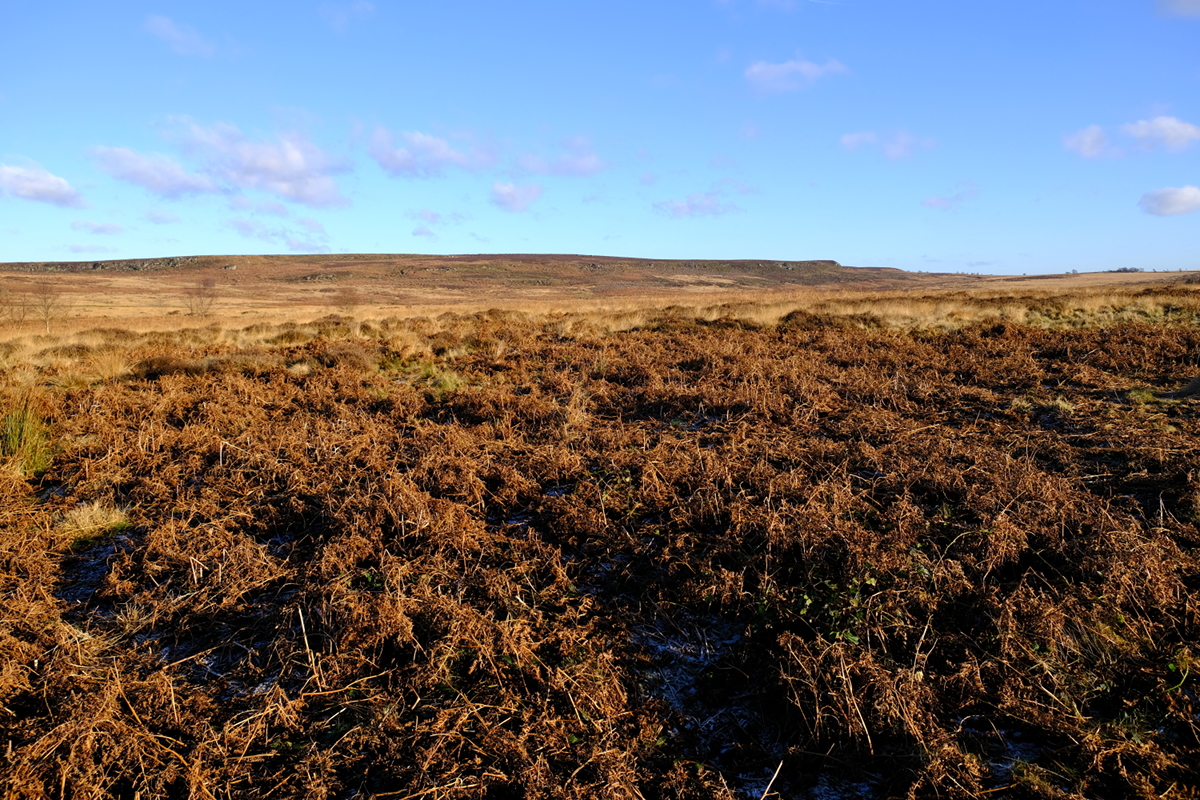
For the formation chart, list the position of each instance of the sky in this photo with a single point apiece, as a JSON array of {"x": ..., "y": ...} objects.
[{"x": 929, "y": 135}]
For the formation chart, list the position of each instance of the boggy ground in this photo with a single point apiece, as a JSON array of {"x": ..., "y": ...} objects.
[{"x": 507, "y": 557}]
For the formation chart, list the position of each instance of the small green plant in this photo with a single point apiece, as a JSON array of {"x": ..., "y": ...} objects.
[
  {"x": 25, "y": 441},
  {"x": 447, "y": 381},
  {"x": 1061, "y": 405},
  {"x": 1142, "y": 395}
]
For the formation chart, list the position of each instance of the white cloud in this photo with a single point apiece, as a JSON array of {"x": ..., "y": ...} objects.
[
  {"x": 421, "y": 230},
  {"x": 339, "y": 15},
  {"x": 423, "y": 156},
  {"x": 580, "y": 161},
  {"x": 701, "y": 204},
  {"x": 1180, "y": 8},
  {"x": 969, "y": 192},
  {"x": 853, "y": 141},
  {"x": 1089, "y": 142},
  {"x": 273, "y": 207},
  {"x": 316, "y": 241},
  {"x": 573, "y": 165},
  {"x": 292, "y": 167},
  {"x": 300, "y": 244},
  {"x": 34, "y": 183},
  {"x": 511, "y": 197},
  {"x": 790, "y": 76},
  {"x": 1173, "y": 134},
  {"x": 737, "y": 186},
  {"x": 898, "y": 144},
  {"x": 251, "y": 229},
  {"x": 160, "y": 217},
  {"x": 160, "y": 174},
  {"x": 1171, "y": 201},
  {"x": 183, "y": 40},
  {"x": 647, "y": 179},
  {"x": 91, "y": 248},
  {"x": 104, "y": 228},
  {"x": 432, "y": 217},
  {"x": 1169, "y": 133}
]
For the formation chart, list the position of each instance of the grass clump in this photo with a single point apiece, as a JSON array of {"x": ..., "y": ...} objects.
[
  {"x": 89, "y": 523},
  {"x": 25, "y": 441}
]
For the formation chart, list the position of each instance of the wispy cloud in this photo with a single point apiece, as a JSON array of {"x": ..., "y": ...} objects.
[
  {"x": 91, "y": 248},
  {"x": 700, "y": 204},
  {"x": 790, "y": 76},
  {"x": 431, "y": 217},
  {"x": 894, "y": 145},
  {"x": 273, "y": 207},
  {"x": 423, "y": 155},
  {"x": 1089, "y": 142},
  {"x": 969, "y": 192},
  {"x": 291, "y": 167},
  {"x": 1171, "y": 201},
  {"x": 340, "y": 15},
  {"x": 1170, "y": 133},
  {"x": 155, "y": 217},
  {"x": 514, "y": 198},
  {"x": 1180, "y": 8},
  {"x": 34, "y": 183},
  {"x": 314, "y": 241},
  {"x": 734, "y": 185},
  {"x": 423, "y": 231},
  {"x": 183, "y": 40},
  {"x": 1166, "y": 133},
  {"x": 158, "y": 173},
  {"x": 579, "y": 161},
  {"x": 101, "y": 228}
]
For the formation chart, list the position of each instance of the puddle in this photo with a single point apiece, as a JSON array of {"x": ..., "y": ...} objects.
[
  {"x": 83, "y": 574},
  {"x": 828, "y": 788},
  {"x": 685, "y": 668},
  {"x": 1005, "y": 748}
]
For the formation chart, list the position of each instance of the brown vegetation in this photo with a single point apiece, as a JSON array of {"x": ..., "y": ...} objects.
[{"x": 650, "y": 554}]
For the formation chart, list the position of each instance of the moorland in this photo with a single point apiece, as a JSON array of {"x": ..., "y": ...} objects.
[{"x": 428, "y": 528}]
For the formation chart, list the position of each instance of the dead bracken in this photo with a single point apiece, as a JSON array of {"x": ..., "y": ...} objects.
[{"x": 500, "y": 555}]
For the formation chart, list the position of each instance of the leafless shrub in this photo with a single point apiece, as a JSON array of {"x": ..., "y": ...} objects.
[
  {"x": 14, "y": 306},
  {"x": 48, "y": 303},
  {"x": 200, "y": 297}
]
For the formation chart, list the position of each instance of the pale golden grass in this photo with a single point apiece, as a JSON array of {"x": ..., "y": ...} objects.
[
  {"x": 89, "y": 522},
  {"x": 86, "y": 350}
]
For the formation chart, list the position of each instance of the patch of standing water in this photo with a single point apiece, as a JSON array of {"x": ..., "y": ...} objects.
[
  {"x": 685, "y": 655},
  {"x": 83, "y": 574}
]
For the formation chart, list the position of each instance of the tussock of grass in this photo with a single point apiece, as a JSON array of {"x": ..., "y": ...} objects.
[
  {"x": 25, "y": 441},
  {"x": 88, "y": 523}
]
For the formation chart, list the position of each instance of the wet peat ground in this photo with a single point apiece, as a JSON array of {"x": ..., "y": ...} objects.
[{"x": 525, "y": 561}]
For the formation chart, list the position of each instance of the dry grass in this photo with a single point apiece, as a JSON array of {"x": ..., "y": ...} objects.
[{"x": 938, "y": 545}]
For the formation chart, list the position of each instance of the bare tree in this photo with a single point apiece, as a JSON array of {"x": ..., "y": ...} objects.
[
  {"x": 47, "y": 302},
  {"x": 14, "y": 306},
  {"x": 347, "y": 299},
  {"x": 200, "y": 297}
]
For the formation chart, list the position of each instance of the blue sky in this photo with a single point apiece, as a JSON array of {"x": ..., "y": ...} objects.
[{"x": 921, "y": 134}]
